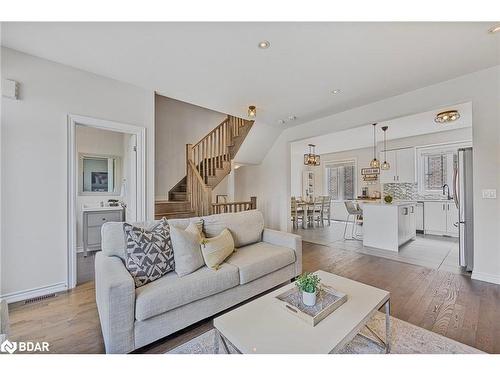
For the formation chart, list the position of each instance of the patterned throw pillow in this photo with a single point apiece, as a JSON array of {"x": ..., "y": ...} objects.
[{"x": 149, "y": 253}]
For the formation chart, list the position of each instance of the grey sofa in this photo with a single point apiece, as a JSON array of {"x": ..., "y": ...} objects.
[{"x": 131, "y": 318}]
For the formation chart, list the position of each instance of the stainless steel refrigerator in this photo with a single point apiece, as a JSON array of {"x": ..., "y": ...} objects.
[{"x": 462, "y": 183}]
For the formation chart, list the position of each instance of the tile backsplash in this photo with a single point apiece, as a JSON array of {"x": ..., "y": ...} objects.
[{"x": 407, "y": 191}]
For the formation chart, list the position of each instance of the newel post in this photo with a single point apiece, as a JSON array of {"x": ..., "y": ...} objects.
[{"x": 253, "y": 203}]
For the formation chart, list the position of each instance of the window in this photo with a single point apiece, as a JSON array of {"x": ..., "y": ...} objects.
[
  {"x": 436, "y": 166},
  {"x": 341, "y": 180}
]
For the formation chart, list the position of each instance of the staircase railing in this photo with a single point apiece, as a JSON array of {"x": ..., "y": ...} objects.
[
  {"x": 198, "y": 193},
  {"x": 220, "y": 208},
  {"x": 213, "y": 149},
  {"x": 203, "y": 159}
]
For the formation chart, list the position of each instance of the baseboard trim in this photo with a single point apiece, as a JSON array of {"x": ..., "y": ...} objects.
[
  {"x": 33, "y": 293},
  {"x": 488, "y": 277}
]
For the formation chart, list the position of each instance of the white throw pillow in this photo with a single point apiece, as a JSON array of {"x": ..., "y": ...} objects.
[
  {"x": 186, "y": 245},
  {"x": 216, "y": 249}
]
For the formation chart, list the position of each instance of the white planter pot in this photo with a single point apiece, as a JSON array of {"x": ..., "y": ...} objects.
[{"x": 309, "y": 299}]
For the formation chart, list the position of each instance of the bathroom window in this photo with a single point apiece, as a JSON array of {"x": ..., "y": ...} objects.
[
  {"x": 98, "y": 174},
  {"x": 341, "y": 180}
]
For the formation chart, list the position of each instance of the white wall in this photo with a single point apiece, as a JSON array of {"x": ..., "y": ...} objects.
[
  {"x": 177, "y": 124},
  {"x": 98, "y": 142},
  {"x": 34, "y": 162},
  {"x": 481, "y": 88}
]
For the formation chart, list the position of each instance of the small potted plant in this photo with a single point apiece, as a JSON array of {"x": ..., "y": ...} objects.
[
  {"x": 308, "y": 283},
  {"x": 388, "y": 199}
]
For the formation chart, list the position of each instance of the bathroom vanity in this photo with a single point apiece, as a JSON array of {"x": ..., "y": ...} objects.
[{"x": 93, "y": 219}]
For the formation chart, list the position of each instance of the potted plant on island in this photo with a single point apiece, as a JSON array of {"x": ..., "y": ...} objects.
[{"x": 308, "y": 283}]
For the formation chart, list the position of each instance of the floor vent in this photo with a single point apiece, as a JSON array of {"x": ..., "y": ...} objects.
[{"x": 41, "y": 298}]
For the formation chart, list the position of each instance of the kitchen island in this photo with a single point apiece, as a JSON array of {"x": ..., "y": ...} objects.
[{"x": 388, "y": 226}]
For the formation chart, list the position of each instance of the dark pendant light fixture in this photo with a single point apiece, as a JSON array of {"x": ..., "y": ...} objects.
[
  {"x": 311, "y": 158},
  {"x": 385, "y": 165},
  {"x": 375, "y": 163}
]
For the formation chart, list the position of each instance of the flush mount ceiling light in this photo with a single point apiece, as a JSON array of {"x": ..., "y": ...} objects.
[
  {"x": 494, "y": 29},
  {"x": 264, "y": 44},
  {"x": 375, "y": 163},
  {"x": 447, "y": 116},
  {"x": 252, "y": 111},
  {"x": 281, "y": 122},
  {"x": 311, "y": 158},
  {"x": 336, "y": 91},
  {"x": 385, "y": 165},
  {"x": 292, "y": 117}
]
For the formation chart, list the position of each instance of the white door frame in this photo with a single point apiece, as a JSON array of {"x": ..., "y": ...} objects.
[{"x": 140, "y": 133}]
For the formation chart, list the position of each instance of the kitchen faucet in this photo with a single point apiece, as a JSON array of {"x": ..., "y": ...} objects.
[{"x": 446, "y": 190}]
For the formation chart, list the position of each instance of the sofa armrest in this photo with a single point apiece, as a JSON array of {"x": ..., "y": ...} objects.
[
  {"x": 115, "y": 297},
  {"x": 286, "y": 239}
]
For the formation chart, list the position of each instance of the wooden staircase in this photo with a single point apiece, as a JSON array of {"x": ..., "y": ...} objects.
[{"x": 207, "y": 163}]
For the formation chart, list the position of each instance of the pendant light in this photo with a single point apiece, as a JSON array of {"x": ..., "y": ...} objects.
[
  {"x": 375, "y": 163},
  {"x": 385, "y": 165},
  {"x": 312, "y": 158},
  {"x": 252, "y": 111}
]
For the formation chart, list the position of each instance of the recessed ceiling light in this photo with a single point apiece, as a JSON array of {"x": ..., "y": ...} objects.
[
  {"x": 336, "y": 91},
  {"x": 264, "y": 44},
  {"x": 281, "y": 122},
  {"x": 292, "y": 117},
  {"x": 494, "y": 29}
]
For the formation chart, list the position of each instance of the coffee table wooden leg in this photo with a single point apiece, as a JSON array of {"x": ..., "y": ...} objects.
[{"x": 388, "y": 326}]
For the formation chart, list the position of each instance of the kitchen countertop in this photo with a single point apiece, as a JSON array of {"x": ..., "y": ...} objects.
[{"x": 394, "y": 203}]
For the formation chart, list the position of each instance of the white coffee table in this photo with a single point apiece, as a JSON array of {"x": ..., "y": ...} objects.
[{"x": 263, "y": 325}]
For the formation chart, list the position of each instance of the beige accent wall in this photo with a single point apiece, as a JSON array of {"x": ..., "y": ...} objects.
[{"x": 177, "y": 124}]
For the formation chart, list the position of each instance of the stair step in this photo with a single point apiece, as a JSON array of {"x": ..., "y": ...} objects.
[
  {"x": 172, "y": 206},
  {"x": 177, "y": 196}
]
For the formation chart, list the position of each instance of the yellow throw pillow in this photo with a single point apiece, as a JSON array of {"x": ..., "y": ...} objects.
[{"x": 216, "y": 249}]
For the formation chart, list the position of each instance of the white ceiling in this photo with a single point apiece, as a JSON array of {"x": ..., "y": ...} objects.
[
  {"x": 401, "y": 127},
  {"x": 218, "y": 65}
]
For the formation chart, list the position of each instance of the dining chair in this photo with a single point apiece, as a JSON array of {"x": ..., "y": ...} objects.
[
  {"x": 317, "y": 211},
  {"x": 354, "y": 211},
  {"x": 326, "y": 211},
  {"x": 297, "y": 213}
]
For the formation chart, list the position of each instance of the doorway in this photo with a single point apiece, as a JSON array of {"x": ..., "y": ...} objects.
[{"x": 106, "y": 176}]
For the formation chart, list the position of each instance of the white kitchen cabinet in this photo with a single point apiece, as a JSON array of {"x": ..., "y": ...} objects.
[
  {"x": 440, "y": 217},
  {"x": 402, "y": 164},
  {"x": 420, "y": 217},
  {"x": 388, "y": 176},
  {"x": 406, "y": 165},
  {"x": 407, "y": 223},
  {"x": 388, "y": 226}
]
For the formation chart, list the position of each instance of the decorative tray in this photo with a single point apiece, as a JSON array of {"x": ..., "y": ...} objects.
[{"x": 327, "y": 301}]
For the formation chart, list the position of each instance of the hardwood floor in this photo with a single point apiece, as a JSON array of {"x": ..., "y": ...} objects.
[{"x": 450, "y": 304}]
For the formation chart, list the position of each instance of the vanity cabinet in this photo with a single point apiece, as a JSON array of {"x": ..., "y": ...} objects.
[
  {"x": 92, "y": 223},
  {"x": 402, "y": 164}
]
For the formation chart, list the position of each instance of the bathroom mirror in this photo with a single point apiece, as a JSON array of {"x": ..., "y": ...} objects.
[{"x": 99, "y": 174}]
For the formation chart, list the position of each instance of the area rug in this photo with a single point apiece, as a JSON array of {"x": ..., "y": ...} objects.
[{"x": 406, "y": 339}]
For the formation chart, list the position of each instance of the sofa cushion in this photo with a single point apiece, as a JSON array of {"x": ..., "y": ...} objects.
[
  {"x": 113, "y": 238},
  {"x": 246, "y": 227},
  {"x": 216, "y": 249},
  {"x": 149, "y": 253},
  {"x": 172, "y": 291},
  {"x": 259, "y": 259},
  {"x": 187, "y": 253}
]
